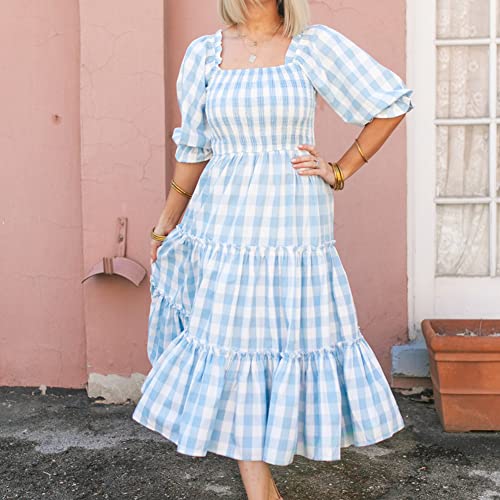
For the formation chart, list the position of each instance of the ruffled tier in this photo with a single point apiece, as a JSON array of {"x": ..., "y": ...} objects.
[
  {"x": 249, "y": 297},
  {"x": 267, "y": 406},
  {"x": 309, "y": 385}
]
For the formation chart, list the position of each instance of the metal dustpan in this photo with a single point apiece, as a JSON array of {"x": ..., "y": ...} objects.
[{"x": 120, "y": 265}]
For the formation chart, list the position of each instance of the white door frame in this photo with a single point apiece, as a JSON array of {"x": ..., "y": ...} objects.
[
  {"x": 430, "y": 296},
  {"x": 421, "y": 71}
]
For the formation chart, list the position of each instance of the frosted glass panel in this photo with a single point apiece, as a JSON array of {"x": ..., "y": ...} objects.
[
  {"x": 462, "y": 160},
  {"x": 463, "y": 18},
  {"x": 462, "y": 81},
  {"x": 462, "y": 238}
]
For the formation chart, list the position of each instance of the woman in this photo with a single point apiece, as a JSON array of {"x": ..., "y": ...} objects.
[{"x": 253, "y": 335}]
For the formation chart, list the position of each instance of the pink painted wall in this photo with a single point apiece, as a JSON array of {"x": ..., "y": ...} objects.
[
  {"x": 89, "y": 108},
  {"x": 123, "y": 169},
  {"x": 42, "y": 324}
]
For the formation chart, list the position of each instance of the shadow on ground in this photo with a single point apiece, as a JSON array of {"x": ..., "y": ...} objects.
[{"x": 62, "y": 445}]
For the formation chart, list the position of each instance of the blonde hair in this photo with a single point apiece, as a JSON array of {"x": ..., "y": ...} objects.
[{"x": 295, "y": 13}]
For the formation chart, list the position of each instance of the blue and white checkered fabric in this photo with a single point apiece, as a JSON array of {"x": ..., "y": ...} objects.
[{"x": 254, "y": 341}]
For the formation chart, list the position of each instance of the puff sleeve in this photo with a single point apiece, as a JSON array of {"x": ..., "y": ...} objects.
[
  {"x": 351, "y": 81},
  {"x": 192, "y": 137}
]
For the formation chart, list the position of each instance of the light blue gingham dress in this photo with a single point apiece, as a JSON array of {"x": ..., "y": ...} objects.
[{"x": 254, "y": 341}]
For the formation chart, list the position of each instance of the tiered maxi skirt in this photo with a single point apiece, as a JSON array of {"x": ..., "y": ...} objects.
[{"x": 255, "y": 347}]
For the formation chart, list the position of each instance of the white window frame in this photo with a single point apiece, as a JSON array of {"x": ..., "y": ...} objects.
[{"x": 429, "y": 295}]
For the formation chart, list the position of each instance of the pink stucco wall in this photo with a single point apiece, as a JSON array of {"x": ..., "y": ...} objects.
[
  {"x": 123, "y": 168},
  {"x": 89, "y": 106},
  {"x": 42, "y": 337}
]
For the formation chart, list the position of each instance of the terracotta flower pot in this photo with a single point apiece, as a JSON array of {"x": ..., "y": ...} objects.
[{"x": 464, "y": 357}]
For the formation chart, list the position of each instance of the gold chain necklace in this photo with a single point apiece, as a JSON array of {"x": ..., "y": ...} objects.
[{"x": 253, "y": 56}]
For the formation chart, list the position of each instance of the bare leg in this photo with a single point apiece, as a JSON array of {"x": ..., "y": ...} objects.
[{"x": 257, "y": 480}]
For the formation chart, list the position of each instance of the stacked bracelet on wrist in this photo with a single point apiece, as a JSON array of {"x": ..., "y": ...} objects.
[
  {"x": 337, "y": 171},
  {"x": 157, "y": 237},
  {"x": 339, "y": 176}
]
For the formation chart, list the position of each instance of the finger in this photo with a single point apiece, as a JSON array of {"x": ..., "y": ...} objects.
[
  {"x": 310, "y": 171},
  {"x": 309, "y": 147},
  {"x": 302, "y": 159},
  {"x": 306, "y": 164},
  {"x": 154, "y": 253}
]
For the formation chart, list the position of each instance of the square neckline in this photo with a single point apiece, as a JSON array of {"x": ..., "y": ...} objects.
[{"x": 218, "y": 57}]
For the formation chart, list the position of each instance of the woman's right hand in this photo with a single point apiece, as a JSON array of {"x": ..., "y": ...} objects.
[{"x": 164, "y": 230}]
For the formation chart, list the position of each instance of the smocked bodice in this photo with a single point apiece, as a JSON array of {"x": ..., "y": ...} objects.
[
  {"x": 258, "y": 108},
  {"x": 244, "y": 116}
]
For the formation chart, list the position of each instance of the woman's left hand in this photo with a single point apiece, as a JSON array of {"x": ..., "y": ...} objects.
[{"x": 313, "y": 164}]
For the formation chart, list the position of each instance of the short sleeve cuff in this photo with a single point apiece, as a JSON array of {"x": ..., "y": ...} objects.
[
  {"x": 192, "y": 154},
  {"x": 399, "y": 107},
  {"x": 192, "y": 147}
]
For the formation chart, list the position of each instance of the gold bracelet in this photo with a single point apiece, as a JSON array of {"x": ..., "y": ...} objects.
[
  {"x": 179, "y": 189},
  {"x": 157, "y": 237},
  {"x": 334, "y": 170},
  {"x": 339, "y": 176},
  {"x": 339, "y": 181},
  {"x": 365, "y": 159}
]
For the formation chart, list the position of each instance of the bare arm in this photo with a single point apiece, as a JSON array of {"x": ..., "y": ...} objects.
[
  {"x": 371, "y": 139},
  {"x": 186, "y": 175}
]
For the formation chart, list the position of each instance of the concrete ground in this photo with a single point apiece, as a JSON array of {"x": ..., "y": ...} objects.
[{"x": 62, "y": 445}]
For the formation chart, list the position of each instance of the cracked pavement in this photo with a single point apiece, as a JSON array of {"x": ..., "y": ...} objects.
[{"x": 63, "y": 446}]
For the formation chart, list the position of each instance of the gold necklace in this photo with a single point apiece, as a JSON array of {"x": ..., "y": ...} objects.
[{"x": 253, "y": 56}]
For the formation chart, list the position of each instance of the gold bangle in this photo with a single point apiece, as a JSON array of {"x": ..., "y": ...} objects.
[
  {"x": 157, "y": 237},
  {"x": 334, "y": 175},
  {"x": 179, "y": 189},
  {"x": 339, "y": 176},
  {"x": 365, "y": 159}
]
